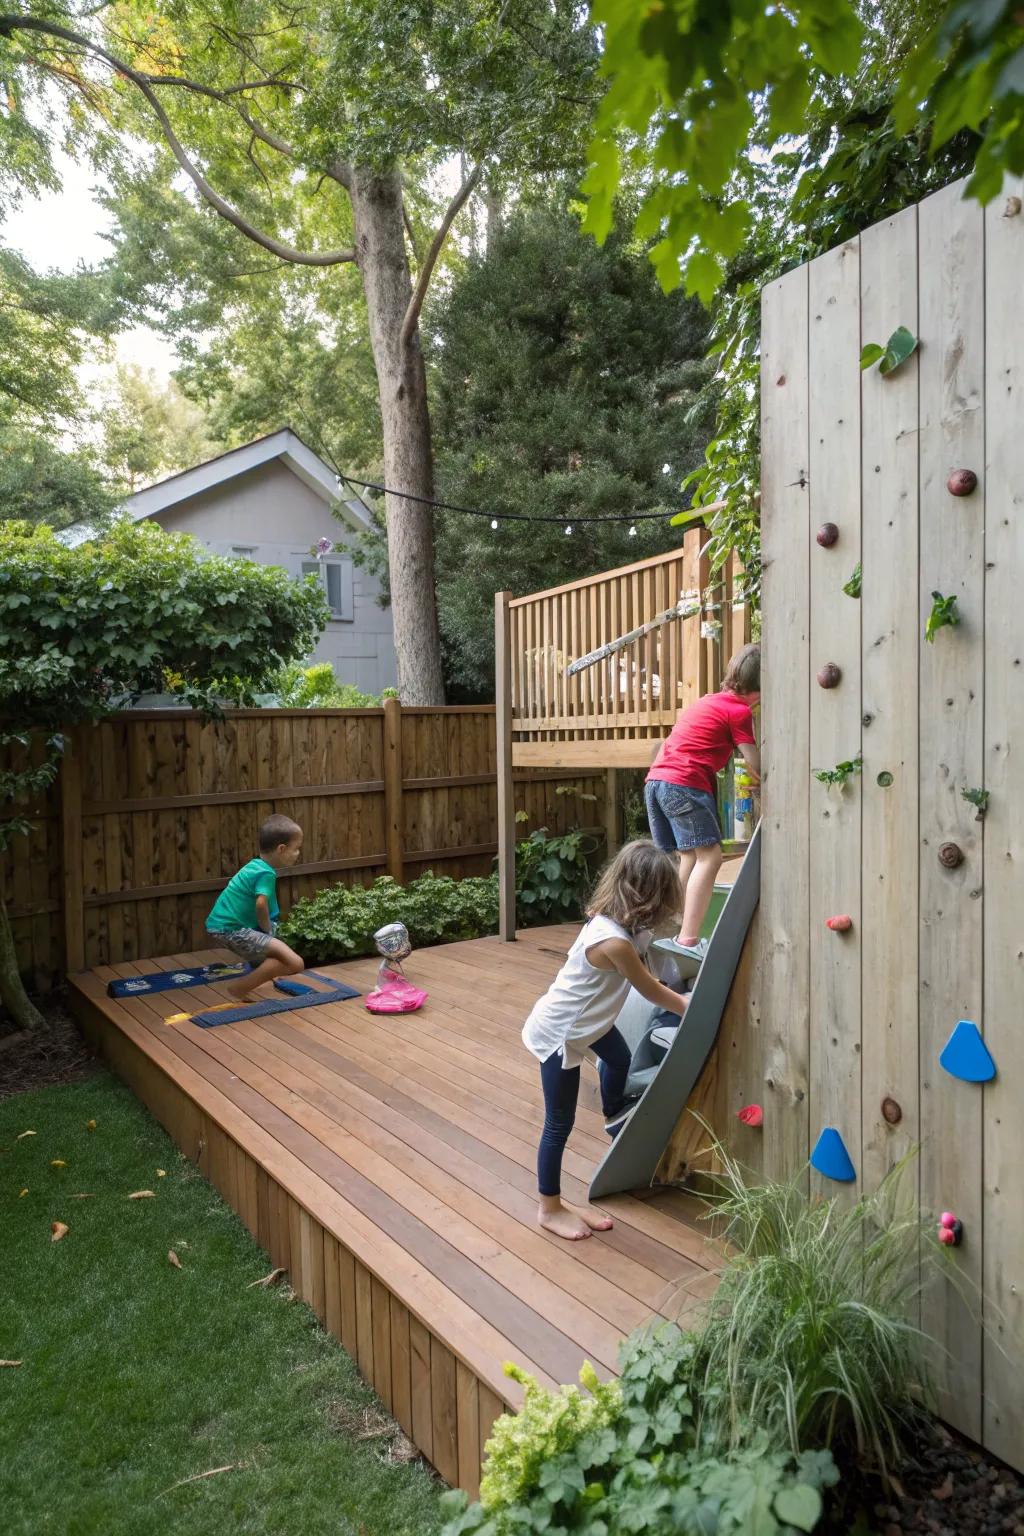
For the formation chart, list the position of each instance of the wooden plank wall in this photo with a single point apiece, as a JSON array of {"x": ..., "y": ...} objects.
[
  {"x": 822, "y": 1029},
  {"x": 170, "y": 806}
]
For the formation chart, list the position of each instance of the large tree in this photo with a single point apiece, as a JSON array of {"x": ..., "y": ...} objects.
[
  {"x": 149, "y": 429},
  {"x": 292, "y": 118},
  {"x": 563, "y": 381}
]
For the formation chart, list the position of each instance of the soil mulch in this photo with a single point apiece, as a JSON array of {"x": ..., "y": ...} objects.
[
  {"x": 55, "y": 1054},
  {"x": 949, "y": 1488}
]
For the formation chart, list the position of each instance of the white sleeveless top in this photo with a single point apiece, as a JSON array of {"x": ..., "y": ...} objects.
[{"x": 582, "y": 1002}]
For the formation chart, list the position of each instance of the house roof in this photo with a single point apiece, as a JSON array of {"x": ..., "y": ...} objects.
[{"x": 284, "y": 444}]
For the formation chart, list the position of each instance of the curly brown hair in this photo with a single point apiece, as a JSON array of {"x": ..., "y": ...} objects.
[
  {"x": 743, "y": 674},
  {"x": 638, "y": 887}
]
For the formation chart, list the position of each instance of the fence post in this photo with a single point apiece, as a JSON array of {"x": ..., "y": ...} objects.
[
  {"x": 611, "y": 811},
  {"x": 72, "y": 863},
  {"x": 506, "y": 791},
  {"x": 393, "y": 788}
]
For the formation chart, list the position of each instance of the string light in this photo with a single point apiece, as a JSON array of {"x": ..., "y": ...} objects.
[
  {"x": 505, "y": 517},
  {"x": 632, "y": 531},
  {"x": 494, "y": 522},
  {"x": 568, "y": 529}
]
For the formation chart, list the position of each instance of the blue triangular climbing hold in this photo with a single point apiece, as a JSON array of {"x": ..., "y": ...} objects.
[
  {"x": 965, "y": 1055},
  {"x": 831, "y": 1159}
]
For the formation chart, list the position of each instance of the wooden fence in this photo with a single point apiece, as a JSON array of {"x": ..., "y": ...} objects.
[
  {"x": 155, "y": 810},
  {"x": 846, "y": 1030}
]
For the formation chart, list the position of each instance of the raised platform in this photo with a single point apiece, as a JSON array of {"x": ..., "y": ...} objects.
[{"x": 388, "y": 1165}]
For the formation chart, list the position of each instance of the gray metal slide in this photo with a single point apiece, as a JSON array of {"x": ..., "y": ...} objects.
[{"x": 668, "y": 1079}]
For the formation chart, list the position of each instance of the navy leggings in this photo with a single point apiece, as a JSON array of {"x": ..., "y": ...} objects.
[{"x": 561, "y": 1091}]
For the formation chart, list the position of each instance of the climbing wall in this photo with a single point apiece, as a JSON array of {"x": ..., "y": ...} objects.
[{"x": 840, "y": 1030}]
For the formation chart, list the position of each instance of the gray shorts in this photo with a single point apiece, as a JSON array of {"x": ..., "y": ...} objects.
[{"x": 248, "y": 943}]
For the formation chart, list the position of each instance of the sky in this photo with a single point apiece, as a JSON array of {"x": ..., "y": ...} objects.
[{"x": 61, "y": 229}]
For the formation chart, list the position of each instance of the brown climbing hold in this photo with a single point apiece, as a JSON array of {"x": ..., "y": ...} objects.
[
  {"x": 1013, "y": 204},
  {"x": 892, "y": 1114},
  {"x": 828, "y": 534},
  {"x": 829, "y": 675},
  {"x": 951, "y": 855},
  {"x": 781, "y": 379},
  {"x": 962, "y": 482}
]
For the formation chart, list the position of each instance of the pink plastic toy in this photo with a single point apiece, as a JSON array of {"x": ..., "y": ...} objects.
[
  {"x": 751, "y": 1114},
  {"x": 394, "y": 994}
]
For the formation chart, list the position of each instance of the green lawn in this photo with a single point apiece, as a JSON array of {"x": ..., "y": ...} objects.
[{"x": 137, "y": 1375}]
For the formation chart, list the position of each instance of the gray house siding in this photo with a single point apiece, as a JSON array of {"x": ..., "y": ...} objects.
[{"x": 271, "y": 516}]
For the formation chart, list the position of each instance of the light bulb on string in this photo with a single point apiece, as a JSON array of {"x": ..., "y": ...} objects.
[
  {"x": 568, "y": 529},
  {"x": 494, "y": 522},
  {"x": 632, "y": 530}
]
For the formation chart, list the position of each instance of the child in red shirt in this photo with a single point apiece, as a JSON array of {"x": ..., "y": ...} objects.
[{"x": 680, "y": 790}]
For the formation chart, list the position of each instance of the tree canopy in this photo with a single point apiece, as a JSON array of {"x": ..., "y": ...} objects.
[{"x": 563, "y": 383}]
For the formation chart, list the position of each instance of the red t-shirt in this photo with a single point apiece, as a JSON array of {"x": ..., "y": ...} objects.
[{"x": 702, "y": 741}]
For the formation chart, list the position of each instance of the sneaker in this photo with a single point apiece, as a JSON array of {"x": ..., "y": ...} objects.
[
  {"x": 613, "y": 1123},
  {"x": 689, "y": 959}
]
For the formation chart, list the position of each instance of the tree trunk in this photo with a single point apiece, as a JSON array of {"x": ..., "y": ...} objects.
[
  {"x": 405, "y": 418},
  {"x": 492, "y": 203},
  {"x": 12, "y": 989}
]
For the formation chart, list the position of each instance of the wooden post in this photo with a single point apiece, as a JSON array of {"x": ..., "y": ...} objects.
[
  {"x": 393, "y": 830},
  {"x": 72, "y": 864},
  {"x": 506, "y": 793},
  {"x": 611, "y": 811}
]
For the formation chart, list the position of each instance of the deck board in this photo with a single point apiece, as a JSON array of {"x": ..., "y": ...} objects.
[{"x": 388, "y": 1164}]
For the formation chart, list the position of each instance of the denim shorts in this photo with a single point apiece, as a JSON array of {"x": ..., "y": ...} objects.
[
  {"x": 247, "y": 943},
  {"x": 681, "y": 817}
]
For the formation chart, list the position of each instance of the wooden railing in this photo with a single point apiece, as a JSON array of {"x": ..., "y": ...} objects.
[{"x": 632, "y": 697}]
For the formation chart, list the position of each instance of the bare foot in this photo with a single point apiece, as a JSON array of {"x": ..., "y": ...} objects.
[
  {"x": 597, "y": 1221},
  {"x": 240, "y": 997},
  {"x": 563, "y": 1223}
]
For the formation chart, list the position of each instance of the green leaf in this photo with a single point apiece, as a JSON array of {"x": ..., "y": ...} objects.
[
  {"x": 901, "y": 345},
  {"x": 704, "y": 273},
  {"x": 852, "y": 587},
  {"x": 870, "y": 354},
  {"x": 799, "y": 1505}
]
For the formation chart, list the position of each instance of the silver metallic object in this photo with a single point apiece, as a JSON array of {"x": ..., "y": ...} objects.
[{"x": 393, "y": 943}]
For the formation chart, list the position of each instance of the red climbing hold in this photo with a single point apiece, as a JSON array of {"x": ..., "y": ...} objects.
[
  {"x": 751, "y": 1114},
  {"x": 841, "y": 924},
  {"x": 950, "y": 1230}
]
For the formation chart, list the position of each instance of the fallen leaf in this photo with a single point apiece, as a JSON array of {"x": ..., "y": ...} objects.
[
  {"x": 172, "y": 1258},
  {"x": 198, "y": 1477},
  {"x": 83, "y": 1197},
  {"x": 90, "y": 1125},
  {"x": 57, "y": 1162},
  {"x": 11, "y": 1362},
  {"x": 142, "y": 1194},
  {"x": 23, "y": 1194},
  {"x": 24, "y": 1134},
  {"x": 271, "y": 1279},
  {"x": 161, "y": 1173},
  {"x": 58, "y": 1229}
]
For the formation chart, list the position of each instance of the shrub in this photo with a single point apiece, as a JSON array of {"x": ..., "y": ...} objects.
[
  {"x": 339, "y": 923},
  {"x": 548, "y": 1424},
  {"x": 552, "y": 876},
  {"x": 318, "y": 687}
]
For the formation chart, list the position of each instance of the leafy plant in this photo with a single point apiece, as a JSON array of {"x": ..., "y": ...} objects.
[
  {"x": 852, "y": 587},
  {"x": 944, "y": 615},
  {"x": 318, "y": 687},
  {"x": 339, "y": 923},
  {"x": 901, "y": 345},
  {"x": 552, "y": 875},
  {"x": 979, "y": 799},
  {"x": 811, "y": 1334},
  {"x": 835, "y": 778}
]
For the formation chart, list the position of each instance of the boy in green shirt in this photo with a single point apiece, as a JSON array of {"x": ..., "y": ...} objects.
[{"x": 246, "y": 911}]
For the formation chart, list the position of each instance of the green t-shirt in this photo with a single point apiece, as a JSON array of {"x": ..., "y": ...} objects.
[{"x": 235, "y": 907}]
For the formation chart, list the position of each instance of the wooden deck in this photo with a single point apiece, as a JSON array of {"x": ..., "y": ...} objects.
[{"x": 388, "y": 1165}]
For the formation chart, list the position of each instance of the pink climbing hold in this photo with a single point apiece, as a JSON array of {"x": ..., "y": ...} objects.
[
  {"x": 946, "y": 1235},
  {"x": 950, "y": 1230},
  {"x": 841, "y": 924},
  {"x": 751, "y": 1114},
  {"x": 947, "y": 1219}
]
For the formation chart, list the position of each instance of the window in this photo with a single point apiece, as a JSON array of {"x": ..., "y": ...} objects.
[
  {"x": 243, "y": 551},
  {"x": 335, "y": 576}
]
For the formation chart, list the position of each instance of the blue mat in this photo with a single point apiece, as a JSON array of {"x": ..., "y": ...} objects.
[
  {"x": 166, "y": 981},
  {"x": 298, "y": 995}
]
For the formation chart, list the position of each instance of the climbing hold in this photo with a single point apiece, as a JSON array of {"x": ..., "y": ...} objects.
[
  {"x": 841, "y": 924},
  {"x": 829, "y": 675},
  {"x": 951, "y": 855},
  {"x": 751, "y": 1114},
  {"x": 831, "y": 1159},
  {"x": 892, "y": 1113},
  {"x": 884, "y": 779},
  {"x": 962, "y": 482},
  {"x": 950, "y": 1230},
  {"x": 965, "y": 1055},
  {"x": 828, "y": 534}
]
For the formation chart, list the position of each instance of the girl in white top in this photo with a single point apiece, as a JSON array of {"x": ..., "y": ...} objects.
[{"x": 637, "y": 890}]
